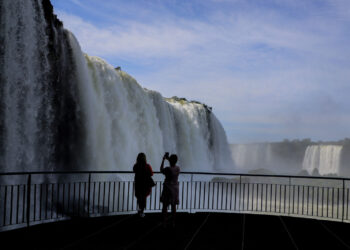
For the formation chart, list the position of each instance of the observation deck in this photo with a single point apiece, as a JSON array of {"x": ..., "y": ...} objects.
[
  {"x": 97, "y": 210},
  {"x": 192, "y": 231}
]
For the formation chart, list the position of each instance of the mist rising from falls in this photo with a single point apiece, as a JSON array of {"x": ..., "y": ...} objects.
[
  {"x": 63, "y": 110},
  {"x": 323, "y": 159},
  {"x": 252, "y": 156}
]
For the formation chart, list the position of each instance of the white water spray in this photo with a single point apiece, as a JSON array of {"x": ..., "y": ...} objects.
[{"x": 252, "y": 156}]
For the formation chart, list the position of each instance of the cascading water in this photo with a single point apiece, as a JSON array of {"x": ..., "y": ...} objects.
[
  {"x": 124, "y": 119},
  {"x": 38, "y": 129},
  {"x": 61, "y": 109},
  {"x": 325, "y": 159}
]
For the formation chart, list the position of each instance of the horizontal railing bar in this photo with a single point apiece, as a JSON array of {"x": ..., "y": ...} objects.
[
  {"x": 185, "y": 172},
  {"x": 264, "y": 175}
]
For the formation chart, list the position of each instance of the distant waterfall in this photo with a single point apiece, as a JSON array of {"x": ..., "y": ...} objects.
[
  {"x": 61, "y": 109},
  {"x": 322, "y": 158},
  {"x": 289, "y": 158}
]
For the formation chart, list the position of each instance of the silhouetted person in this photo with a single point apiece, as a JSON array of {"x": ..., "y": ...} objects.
[
  {"x": 170, "y": 194},
  {"x": 143, "y": 173}
]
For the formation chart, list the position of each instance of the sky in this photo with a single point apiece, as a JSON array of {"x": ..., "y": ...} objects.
[{"x": 271, "y": 69}]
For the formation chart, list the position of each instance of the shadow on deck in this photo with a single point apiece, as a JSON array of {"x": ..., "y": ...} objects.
[{"x": 192, "y": 231}]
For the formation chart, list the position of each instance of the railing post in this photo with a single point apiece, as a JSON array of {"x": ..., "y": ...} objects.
[
  {"x": 343, "y": 208},
  {"x": 191, "y": 193},
  {"x": 240, "y": 193},
  {"x": 289, "y": 189},
  {"x": 88, "y": 206},
  {"x": 29, "y": 183}
]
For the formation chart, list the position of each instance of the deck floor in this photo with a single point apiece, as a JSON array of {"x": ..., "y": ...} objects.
[{"x": 192, "y": 231}]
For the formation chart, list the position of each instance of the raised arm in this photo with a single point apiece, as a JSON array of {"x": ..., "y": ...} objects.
[{"x": 162, "y": 165}]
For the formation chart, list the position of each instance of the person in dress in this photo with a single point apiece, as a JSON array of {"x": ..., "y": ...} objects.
[
  {"x": 170, "y": 193},
  {"x": 143, "y": 172}
]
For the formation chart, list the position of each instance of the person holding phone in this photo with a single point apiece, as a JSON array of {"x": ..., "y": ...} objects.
[{"x": 170, "y": 193}]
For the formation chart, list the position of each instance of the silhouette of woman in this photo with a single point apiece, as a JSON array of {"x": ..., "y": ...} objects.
[
  {"x": 143, "y": 173},
  {"x": 170, "y": 194}
]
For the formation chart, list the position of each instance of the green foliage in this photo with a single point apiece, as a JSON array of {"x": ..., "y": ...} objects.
[{"x": 184, "y": 101}]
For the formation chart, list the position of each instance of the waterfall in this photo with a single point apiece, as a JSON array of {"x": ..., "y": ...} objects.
[
  {"x": 38, "y": 129},
  {"x": 325, "y": 159},
  {"x": 62, "y": 109},
  {"x": 123, "y": 119}
]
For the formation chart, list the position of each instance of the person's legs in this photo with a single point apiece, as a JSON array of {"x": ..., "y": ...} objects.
[
  {"x": 141, "y": 201},
  {"x": 143, "y": 205},
  {"x": 138, "y": 205},
  {"x": 173, "y": 213},
  {"x": 165, "y": 213}
]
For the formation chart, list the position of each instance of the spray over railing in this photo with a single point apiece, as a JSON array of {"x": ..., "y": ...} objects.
[{"x": 30, "y": 198}]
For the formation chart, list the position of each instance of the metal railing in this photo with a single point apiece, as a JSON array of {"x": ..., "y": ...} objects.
[{"x": 39, "y": 197}]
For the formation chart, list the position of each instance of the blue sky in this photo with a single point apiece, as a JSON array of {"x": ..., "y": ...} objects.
[{"x": 271, "y": 69}]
